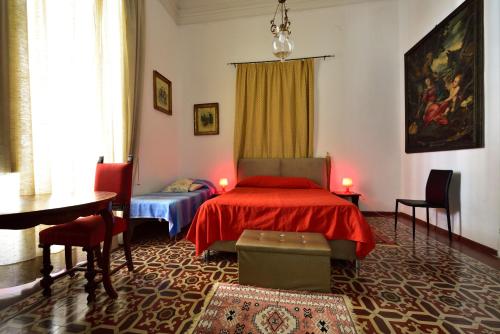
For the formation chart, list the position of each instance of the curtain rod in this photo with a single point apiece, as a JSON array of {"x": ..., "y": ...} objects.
[{"x": 274, "y": 61}]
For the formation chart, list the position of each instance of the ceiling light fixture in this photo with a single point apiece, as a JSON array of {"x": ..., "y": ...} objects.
[{"x": 282, "y": 43}]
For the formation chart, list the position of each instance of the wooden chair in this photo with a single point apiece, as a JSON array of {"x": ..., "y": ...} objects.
[
  {"x": 436, "y": 196},
  {"x": 88, "y": 232}
]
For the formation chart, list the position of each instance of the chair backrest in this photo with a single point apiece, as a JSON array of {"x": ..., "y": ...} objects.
[
  {"x": 438, "y": 185},
  {"x": 115, "y": 177}
]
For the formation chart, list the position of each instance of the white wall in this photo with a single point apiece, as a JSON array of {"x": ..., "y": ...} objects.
[
  {"x": 357, "y": 92},
  {"x": 478, "y": 217},
  {"x": 359, "y": 103},
  {"x": 159, "y": 138}
]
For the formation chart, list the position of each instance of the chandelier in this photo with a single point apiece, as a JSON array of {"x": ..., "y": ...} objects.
[{"x": 282, "y": 43}]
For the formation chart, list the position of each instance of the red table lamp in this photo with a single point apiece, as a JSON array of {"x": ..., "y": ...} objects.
[
  {"x": 223, "y": 183},
  {"x": 347, "y": 182}
]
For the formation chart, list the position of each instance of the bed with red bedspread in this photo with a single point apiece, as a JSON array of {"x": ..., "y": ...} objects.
[{"x": 279, "y": 204}]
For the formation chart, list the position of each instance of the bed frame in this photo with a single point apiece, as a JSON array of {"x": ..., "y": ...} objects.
[{"x": 316, "y": 169}]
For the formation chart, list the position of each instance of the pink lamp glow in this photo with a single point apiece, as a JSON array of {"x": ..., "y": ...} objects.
[
  {"x": 223, "y": 183},
  {"x": 347, "y": 182}
]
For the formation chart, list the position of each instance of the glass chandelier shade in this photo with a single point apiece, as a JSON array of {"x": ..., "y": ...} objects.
[
  {"x": 282, "y": 45},
  {"x": 282, "y": 42}
]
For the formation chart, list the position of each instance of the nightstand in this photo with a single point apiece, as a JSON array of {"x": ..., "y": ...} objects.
[
  {"x": 353, "y": 197},
  {"x": 215, "y": 195}
]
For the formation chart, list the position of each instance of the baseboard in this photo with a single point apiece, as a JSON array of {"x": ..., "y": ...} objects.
[
  {"x": 468, "y": 242},
  {"x": 377, "y": 213}
]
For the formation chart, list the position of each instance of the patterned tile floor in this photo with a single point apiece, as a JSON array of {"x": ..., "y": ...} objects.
[{"x": 415, "y": 287}]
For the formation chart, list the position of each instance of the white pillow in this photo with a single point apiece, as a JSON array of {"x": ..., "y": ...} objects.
[
  {"x": 195, "y": 186},
  {"x": 179, "y": 186}
]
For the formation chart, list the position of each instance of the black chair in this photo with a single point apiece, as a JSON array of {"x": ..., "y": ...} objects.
[{"x": 436, "y": 196}]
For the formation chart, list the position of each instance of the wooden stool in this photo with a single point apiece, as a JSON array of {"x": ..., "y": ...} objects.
[{"x": 284, "y": 260}]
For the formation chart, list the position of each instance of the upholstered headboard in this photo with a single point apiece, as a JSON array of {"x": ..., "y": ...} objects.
[{"x": 316, "y": 169}]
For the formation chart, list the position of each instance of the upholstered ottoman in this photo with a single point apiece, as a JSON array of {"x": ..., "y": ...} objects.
[{"x": 284, "y": 260}]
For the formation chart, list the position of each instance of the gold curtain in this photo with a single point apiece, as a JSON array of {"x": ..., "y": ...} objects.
[
  {"x": 16, "y": 148},
  {"x": 132, "y": 21},
  {"x": 16, "y": 145},
  {"x": 274, "y": 110},
  {"x": 4, "y": 87}
]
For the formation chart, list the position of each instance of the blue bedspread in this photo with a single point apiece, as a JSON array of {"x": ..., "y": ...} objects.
[{"x": 176, "y": 208}]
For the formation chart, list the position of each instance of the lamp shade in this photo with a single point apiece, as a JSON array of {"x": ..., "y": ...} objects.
[
  {"x": 223, "y": 182},
  {"x": 282, "y": 45},
  {"x": 346, "y": 182}
]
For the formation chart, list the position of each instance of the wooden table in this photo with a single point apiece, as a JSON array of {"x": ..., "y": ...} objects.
[
  {"x": 24, "y": 212},
  {"x": 354, "y": 197}
]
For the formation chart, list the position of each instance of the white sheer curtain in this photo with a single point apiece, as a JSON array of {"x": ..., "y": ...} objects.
[
  {"x": 75, "y": 60},
  {"x": 75, "y": 51}
]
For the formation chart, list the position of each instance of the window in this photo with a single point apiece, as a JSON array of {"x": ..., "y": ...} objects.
[{"x": 69, "y": 77}]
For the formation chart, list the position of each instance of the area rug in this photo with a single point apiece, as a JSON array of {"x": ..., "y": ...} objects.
[{"x": 232, "y": 308}]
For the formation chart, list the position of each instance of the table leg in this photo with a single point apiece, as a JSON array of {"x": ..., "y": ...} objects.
[
  {"x": 106, "y": 250},
  {"x": 47, "y": 280},
  {"x": 355, "y": 200}
]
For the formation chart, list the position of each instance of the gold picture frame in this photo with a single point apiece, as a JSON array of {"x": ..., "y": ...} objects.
[
  {"x": 206, "y": 119},
  {"x": 162, "y": 93}
]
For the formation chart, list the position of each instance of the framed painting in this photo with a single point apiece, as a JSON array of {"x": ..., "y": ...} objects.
[
  {"x": 206, "y": 119},
  {"x": 444, "y": 84},
  {"x": 162, "y": 93}
]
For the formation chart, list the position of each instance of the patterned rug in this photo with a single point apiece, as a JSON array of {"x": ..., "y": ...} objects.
[
  {"x": 422, "y": 286},
  {"x": 232, "y": 308}
]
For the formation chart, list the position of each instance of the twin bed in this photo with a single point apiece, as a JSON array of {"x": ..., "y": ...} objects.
[
  {"x": 177, "y": 208},
  {"x": 277, "y": 194}
]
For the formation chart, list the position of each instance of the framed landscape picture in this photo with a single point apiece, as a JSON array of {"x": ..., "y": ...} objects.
[
  {"x": 162, "y": 93},
  {"x": 444, "y": 84},
  {"x": 206, "y": 119}
]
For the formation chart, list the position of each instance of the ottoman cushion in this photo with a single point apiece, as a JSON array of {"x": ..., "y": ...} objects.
[{"x": 284, "y": 260}]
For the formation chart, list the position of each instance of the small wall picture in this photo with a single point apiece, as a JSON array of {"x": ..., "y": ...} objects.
[
  {"x": 162, "y": 92},
  {"x": 206, "y": 119}
]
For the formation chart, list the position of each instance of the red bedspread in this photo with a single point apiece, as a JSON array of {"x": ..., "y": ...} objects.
[{"x": 312, "y": 210}]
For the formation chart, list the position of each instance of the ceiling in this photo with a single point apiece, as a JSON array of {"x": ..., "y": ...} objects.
[{"x": 198, "y": 11}]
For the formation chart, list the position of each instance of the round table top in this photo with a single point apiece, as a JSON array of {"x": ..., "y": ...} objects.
[{"x": 18, "y": 208}]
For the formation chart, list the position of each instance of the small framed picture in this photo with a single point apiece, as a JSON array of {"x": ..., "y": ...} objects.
[
  {"x": 162, "y": 93},
  {"x": 206, "y": 119}
]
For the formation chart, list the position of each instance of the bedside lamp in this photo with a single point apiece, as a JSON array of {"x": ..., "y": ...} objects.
[
  {"x": 223, "y": 183},
  {"x": 347, "y": 182}
]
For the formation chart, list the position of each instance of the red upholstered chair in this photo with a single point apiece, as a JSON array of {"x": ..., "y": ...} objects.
[{"x": 88, "y": 232}]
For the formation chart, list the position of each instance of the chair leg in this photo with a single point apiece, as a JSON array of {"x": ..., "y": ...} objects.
[
  {"x": 396, "y": 215},
  {"x": 68, "y": 258},
  {"x": 128, "y": 253},
  {"x": 449, "y": 222},
  {"x": 47, "y": 280},
  {"x": 131, "y": 228},
  {"x": 427, "y": 211},
  {"x": 90, "y": 275},
  {"x": 98, "y": 255},
  {"x": 413, "y": 221}
]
